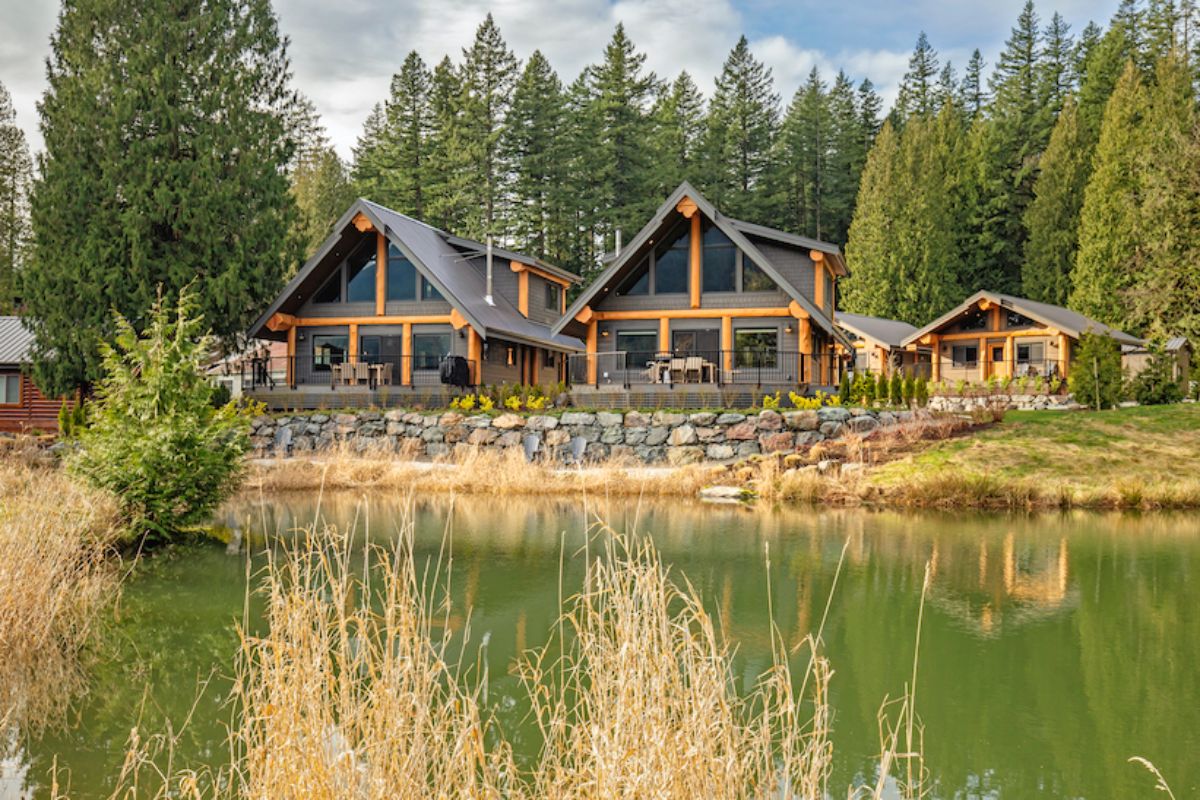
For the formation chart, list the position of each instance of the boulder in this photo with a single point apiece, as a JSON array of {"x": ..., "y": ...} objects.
[
  {"x": 319, "y": 419},
  {"x": 769, "y": 420},
  {"x": 650, "y": 455},
  {"x": 589, "y": 433},
  {"x": 557, "y": 437},
  {"x": 668, "y": 418},
  {"x": 636, "y": 435},
  {"x": 809, "y": 438},
  {"x": 780, "y": 442},
  {"x": 345, "y": 419},
  {"x": 541, "y": 422},
  {"x": 743, "y": 431},
  {"x": 636, "y": 419},
  {"x": 577, "y": 418},
  {"x": 710, "y": 434},
  {"x": 434, "y": 434},
  {"x": 612, "y": 435},
  {"x": 863, "y": 424},
  {"x": 607, "y": 419},
  {"x": 747, "y": 449},
  {"x": 509, "y": 439},
  {"x": 684, "y": 434},
  {"x": 483, "y": 436},
  {"x": 801, "y": 420},
  {"x": 656, "y": 436},
  {"x": 832, "y": 430},
  {"x": 455, "y": 433},
  {"x": 395, "y": 415},
  {"x": 719, "y": 452},
  {"x": 730, "y": 419},
  {"x": 450, "y": 418},
  {"x": 507, "y": 422},
  {"x": 832, "y": 414},
  {"x": 702, "y": 419}
]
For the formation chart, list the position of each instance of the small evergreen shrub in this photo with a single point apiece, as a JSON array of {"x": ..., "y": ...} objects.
[
  {"x": 896, "y": 389},
  {"x": 1156, "y": 385},
  {"x": 1096, "y": 377},
  {"x": 906, "y": 391},
  {"x": 881, "y": 388},
  {"x": 921, "y": 392},
  {"x": 844, "y": 389},
  {"x": 154, "y": 440}
]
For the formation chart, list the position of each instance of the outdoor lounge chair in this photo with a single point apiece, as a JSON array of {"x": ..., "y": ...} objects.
[
  {"x": 385, "y": 373},
  {"x": 693, "y": 365},
  {"x": 677, "y": 370}
]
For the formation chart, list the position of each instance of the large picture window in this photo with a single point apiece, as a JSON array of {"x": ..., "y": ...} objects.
[
  {"x": 1032, "y": 353},
  {"x": 973, "y": 320},
  {"x": 331, "y": 292},
  {"x": 671, "y": 266},
  {"x": 1015, "y": 319},
  {"x": 429, "y": 291},
  {"x": 360, "y": 275},
  {"x": 10, "y": 388},
  {"x": 964, "y": 355},
  {"x": 754, "y": 279},
  {"x": 429, "y": 349},
  {"x": 720, "y": 262},
  {"x": 401, "y": 276},
  {"x": 638, "y": 346},
  {"x": 756, "y": 347},
  {"x": 329, "y": 350}
]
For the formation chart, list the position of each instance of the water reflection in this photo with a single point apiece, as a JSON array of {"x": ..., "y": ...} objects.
[{"x": 1054, "y": 647}]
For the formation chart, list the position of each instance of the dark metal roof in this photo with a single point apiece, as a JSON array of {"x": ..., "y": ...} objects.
[
  {"x": 730, "y": 228},
  {"x": 16, "y": 341},
  {"x": 890, "y": 332},
  {"x": 832, "y": 250},
  {"x": 433, "y": 253},
  {"x": 1069, "y": 322}
]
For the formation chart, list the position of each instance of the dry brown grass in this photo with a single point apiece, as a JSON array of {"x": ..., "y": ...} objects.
[
  {"x": 475, "y": 472},
  {"x": 355, "y": 693},
  {"x": 55, "y": 575}
]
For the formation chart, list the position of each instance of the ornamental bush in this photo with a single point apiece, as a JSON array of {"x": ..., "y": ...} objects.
[
  {"x": 1156, "y": 384},
  {"x": 154, "y": 440},
  {"x": 1096, "y": 376}
]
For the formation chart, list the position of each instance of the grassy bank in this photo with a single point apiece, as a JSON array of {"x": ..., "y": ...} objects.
[
  {"x": 1130, "y": 458},
  {"x": 55, "y": 576}
]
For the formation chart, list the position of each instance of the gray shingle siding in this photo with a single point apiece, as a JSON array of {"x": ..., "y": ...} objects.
[
  {"x": 793, "y": 264},
  {"x": 538, "y": 311}
]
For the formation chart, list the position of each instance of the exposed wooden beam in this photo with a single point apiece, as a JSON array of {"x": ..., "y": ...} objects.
[
  {"x": 592, "y": 341},
  {"x": 519, "y": 267},
  {"x": 523, "y": 292},
  {"x": 664, "y": 334},
  {"x": 431, "y": 319},
  {"x": 687, "y": 206},
  {"x": 406, "y": 356},
  {"x": 457, "y": 319},
  {"x": 281, "y": 322},
  {"x": 475, "y": 355},
  {"x": 585, "y": 315},
  {"x": 695, "y": 256},
  {"x": 727, "y": 343},
  {"x": 362, "y": 223},
  {"x": 696, "y": 313},
  {"x": 381, "y": 254},
  {"x": 796, "y": 311}
]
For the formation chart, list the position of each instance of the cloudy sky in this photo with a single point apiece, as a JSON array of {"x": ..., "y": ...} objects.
[{"x": 345, "y": 51}]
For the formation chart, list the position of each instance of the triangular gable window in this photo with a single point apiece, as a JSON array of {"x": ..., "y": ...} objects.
[
  {"x": 638, "y": 281},
  {"x": 331, "y": 292}
]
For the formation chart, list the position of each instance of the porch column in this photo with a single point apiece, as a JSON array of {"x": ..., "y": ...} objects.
[
  {"x": 475, "y": 355},
  {"x": 291, "y": 356},
  {"x": 592, "y": 339},
  {"x": 727, "y": 344},
  {"x": 353, "y": 351},
  {"x": 664, "y": 335},
  {"x": 1064, "y": 354},
  {"x": 381, "y": 252},
  {"x": 805, "y": 331},
  {"x": 883, "y": 359},
  {"x": 983, "y": 364},
  {"x": 935, "y": 363},
  {"x": 1009, "y": 356},
  {"x": 406, "y": 355}
]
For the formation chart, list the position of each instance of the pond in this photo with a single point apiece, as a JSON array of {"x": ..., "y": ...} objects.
[{"x": 1053, "y": 648}]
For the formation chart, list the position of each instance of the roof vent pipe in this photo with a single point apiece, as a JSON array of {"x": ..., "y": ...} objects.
[
  {"x": 488, "y": 296},
  {"x": 618, "y": 250}
]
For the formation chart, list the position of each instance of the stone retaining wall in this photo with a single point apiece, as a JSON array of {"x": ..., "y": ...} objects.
[
  {"x": 651, "y": 438},
  {"x": 1012, "y": 402}
]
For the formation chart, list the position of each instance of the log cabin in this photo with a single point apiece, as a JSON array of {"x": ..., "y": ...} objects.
[
  {"x": 703, "y": 301},
  {"x": 23, "y": 407},
  {"x": 387, "y": 301}
]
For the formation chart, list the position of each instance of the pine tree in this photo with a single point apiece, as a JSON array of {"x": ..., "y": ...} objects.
[
  {"x": 1164, "y": 296},
  {"x": 678, "y": 127},
  {"x": 849, "y": 144},
  {"x": 742, "y": 122},
  {"x": 1109, "y": 220},
  {"x": 322, "y": 190},
  {"x": 804, "y": 154},
  {"x": 371, "y": 168},
  {"x": 489, "y": 73},
  {"x": 871, "y": 288},
  {"x": 1056, "y": 66},
  {"x": 1105, "y": 62},
  {"x": 449, "y": 170},
  {"x": 16, "y": 173},
  {"x": 973, "y": 96},
  {"x": 870, "y": 110},
  {"x": 407, "y": 141},
  {"x": 918, "y": 89},
  {"x": 1052, "y": 218},
  {"x": 167, "y": 139},
  {"x": 533, "y": 144},
  {"x": 613, "y": 121}
]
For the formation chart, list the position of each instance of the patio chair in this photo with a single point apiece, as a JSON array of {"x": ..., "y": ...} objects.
[
  {"x": 385, "y": 373},
  {"x": 361, "y": 372},
  {"x": 677, "y": 370},
  {"x": 693, "y": 365}
]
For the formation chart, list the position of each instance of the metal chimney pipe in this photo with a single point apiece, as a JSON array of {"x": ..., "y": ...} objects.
[
  {"x": 488, "y": 297},
  {"x": 618, "y": 252}
]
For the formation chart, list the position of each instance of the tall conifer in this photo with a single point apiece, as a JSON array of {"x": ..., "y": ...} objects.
[
  {"x": 678, "y": 128},
  {"x": 16, "y": 173}
]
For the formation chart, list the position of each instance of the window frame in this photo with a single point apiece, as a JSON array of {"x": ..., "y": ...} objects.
[
  {"x": 420, "y": 359},
  {"x": 370, "y": 262},
  {"x": 965, "y": 362},
  {"x": 738, "y": 351},
  {"x": 336, "y": 277},
  {"x": 324, "y": 366},
  {"x": 652, "y": 335},
  {"x": 552, "y": 296},
  {"x": 5, "y": 377},
  {"x": 394, "y": 253}
]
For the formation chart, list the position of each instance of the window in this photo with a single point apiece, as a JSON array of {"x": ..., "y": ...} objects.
[
  {"x": 973, "y": 320},
  {"x": 10, "y": 389},
  {"x": 671, "y": 266},
  {"x": 697, "y": 342},
  {"x": 1014, "y": 319},
  {"x": 1030, "y": 353},
  {"x": 360, "y": 275},
  {"x": 756, "y": 347},
  {"x": 998, "y": 354},
  {"x": 401, "y": 276},
  {"x": 754, "y": 279},
  {"x": 553, "y": 296},
  {"x": 549, "y": 359},
  {"x": 638, "y": 281},
  {"x": 329, "y": 350},
  {"x": 429, "y": 291},
  {"x": 331, "y": 292},
  {"x": 638, "y": 346},
  {"x": 720, "y": 262},
  {"x": 429, "y": 349},
  {"x": 965, "y": 355}
]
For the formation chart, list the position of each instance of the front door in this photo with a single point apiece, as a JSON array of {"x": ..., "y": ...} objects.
[{"x": 705, "y": 342}]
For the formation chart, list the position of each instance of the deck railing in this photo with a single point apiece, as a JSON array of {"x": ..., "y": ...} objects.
[
  {"x": 624, "y": 369},
  {"x": 372, "y": 372}
]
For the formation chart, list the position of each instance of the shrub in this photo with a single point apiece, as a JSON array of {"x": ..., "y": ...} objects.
[
  {"x": 906, "y": 391},
  {"x": 921, "y": 392},
  {"x": 844, "y": 389},
  {"x": 486, "y": 403},
  {"x": 1095, "y": 378},
  {"x": 72, "y": 418},
  {"x": 896, "y": 390},
  {"x": 1156, "y": 385},
  {"x": 881, "y": 388},
  {"x": 513, "y": 403},
  {"x": 770, "y": 401},
  {"x": 155, "y": 441}
]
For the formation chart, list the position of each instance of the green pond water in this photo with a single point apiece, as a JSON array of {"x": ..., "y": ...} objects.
[{"x": 1054, "y": 647}]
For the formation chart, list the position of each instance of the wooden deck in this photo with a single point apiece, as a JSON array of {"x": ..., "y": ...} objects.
[{"x": 312, "y": 397}]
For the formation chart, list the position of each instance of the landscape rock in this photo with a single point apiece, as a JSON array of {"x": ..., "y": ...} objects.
[
  {"x": 679, "y": 456},
  {"x": 801, "y": 420},
  {"x": 684, "y": 434},
  {"x": 577, "y": 418},
  {"x": 776, "y": 442},
  {"x": 507, "y": 422}
]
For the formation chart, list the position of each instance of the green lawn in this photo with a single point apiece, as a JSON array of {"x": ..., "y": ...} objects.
[{"x": 1085, "y": 450}]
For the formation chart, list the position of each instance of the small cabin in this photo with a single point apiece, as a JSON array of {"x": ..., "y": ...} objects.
[{"x": 23, "y": 407}]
